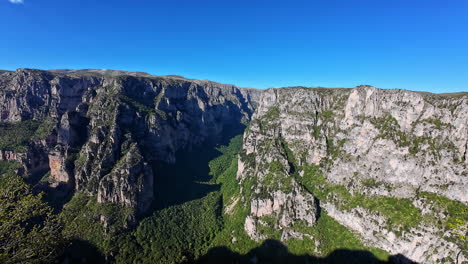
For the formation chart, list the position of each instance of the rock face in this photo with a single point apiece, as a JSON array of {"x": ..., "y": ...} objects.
[
  {"x": 351, "y": 153},
  {"x": 8, "y": 155},
  {"x": 129, "y": 183},
  {"x": 390, "y": 165},
  {"x": 58, "y": 171},
  {"x": 106, "y": 129}
]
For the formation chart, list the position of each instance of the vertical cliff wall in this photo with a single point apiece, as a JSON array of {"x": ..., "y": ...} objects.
[
  {"x": 391, "y": 165},
  {"x": 101, "y": 132}
]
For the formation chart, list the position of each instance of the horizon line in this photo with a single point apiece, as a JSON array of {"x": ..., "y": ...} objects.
[{"x": 57, "y": 70}]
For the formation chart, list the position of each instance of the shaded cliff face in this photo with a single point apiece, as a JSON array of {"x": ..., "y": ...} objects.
[
  {"x": 101, "y": 132},
  {"x": 391, "y": 165}
]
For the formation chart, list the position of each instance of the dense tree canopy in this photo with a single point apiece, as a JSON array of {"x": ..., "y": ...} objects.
[{"x": 29, "y": 231}]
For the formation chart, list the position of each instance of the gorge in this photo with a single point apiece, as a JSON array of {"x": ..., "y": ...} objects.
[{"x": 164, "y": 169}]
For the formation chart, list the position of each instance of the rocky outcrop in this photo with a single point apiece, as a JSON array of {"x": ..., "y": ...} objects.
[
  {"x": 8, "y": 155},
  {"x": 130, "y": 182},
  {"x": 59, "y": 174},
  {"x": 108, "y": 128},
  {"x": 390, "y": 165},
  {"x": 32, "y": 162},
  {"x": 358, "y": 152},
  {"x": 422, "y": 244},
  {"x": 267, "y": 169},
  {"x": 400, "y": 133}
]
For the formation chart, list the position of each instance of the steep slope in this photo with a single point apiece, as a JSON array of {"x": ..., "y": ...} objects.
[
  {"x": 388, "y": 164},
  {"x": 379, "y": 171},
  {"x": 102, "y": 132}
]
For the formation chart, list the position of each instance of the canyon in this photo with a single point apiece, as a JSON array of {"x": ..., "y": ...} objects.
[{"x": 387, "y": 166}]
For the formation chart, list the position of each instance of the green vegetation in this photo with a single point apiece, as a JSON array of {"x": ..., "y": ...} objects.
[
  {"x": 334, "y": 150},
  {"x": 175, "y": 234},
  {"x": 272, "y": 114},
  {"x": 143, "y": 108},
  {"x": 390, "y": 129},
  {"x": 45, "y": 178},
  {"x": 82, "y": 219},
  {"x": 400, "y": 213},
  {"x": 275, "y": 180},
  {"x": 418, "y": 142},
  {"x": 80, "y": 160},
  {"x": 234, "y": 218},
  {"x": 158, "y": 98},
  {"x": 370, "y": 182},
  {"x": 229, "y": 153},
  {"x": 316, "y": 131},
  {"x": 326, "y": 116},
  {"x": 15, "y": 136},
  {"x": 289, "y": 154},
  {"x": 29, "y": 231},
  {"x": 270, "y": 119},
  {"x": 266, "y": 227},
  {"x": 456, "y": 220},
  {"x": 184, "y": 231},
  {"x": 332, "y": 236},
  {"x": 437, "y": 123},
  {"x": 8, "y": 167},
  {"x": 44, "y": 129},
  {"x": 137, "y": 105}
]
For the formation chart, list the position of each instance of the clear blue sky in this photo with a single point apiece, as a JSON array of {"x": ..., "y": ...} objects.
[{"x": 410, "y": 44}]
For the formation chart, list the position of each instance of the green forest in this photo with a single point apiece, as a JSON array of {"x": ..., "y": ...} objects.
[{"x": 191, "y": 224}]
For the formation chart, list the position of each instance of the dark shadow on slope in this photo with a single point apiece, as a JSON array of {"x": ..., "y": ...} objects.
[
  {"x": 319, "y": 208},
  {"x": 275, "y": 252},
  {"x": 60, "y": 195},
  {"x": 57, "y": 196},
  {"x": 186, "y": 180},
  {"x": 35, "y": 177},
  {"x": 80, "y": 251}
]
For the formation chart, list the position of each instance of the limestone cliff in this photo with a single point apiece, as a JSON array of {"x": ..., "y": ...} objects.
[
  {"x": 391, "y": 165},
  {"x": 100, "y": 132}
]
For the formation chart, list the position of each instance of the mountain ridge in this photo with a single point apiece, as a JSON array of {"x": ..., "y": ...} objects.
[
  {"x": 144, "y": 74},
  {"x": 389, "y": 165}
]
